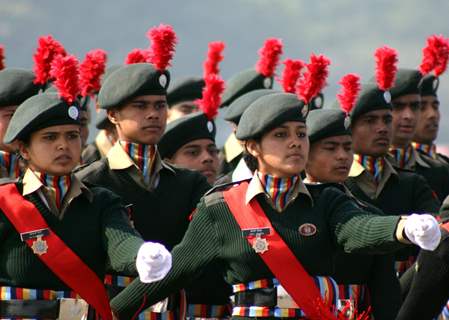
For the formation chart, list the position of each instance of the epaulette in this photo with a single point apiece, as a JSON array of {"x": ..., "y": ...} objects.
[
  {"x": 93, "y": 166},
  {"x": 316, "y": 190},
  {"x": 7, "y": 180},
  {"x": 215, "y": 194}
]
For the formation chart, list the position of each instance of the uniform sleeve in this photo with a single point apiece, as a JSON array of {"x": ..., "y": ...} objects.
[
  {"x": 200, "y": 187},
  {"x": 424, "y": 199},
  {"x": 356, "y": 230},
  {"x": 199, "y": 247},
  {"x": 121, "y": 241}
]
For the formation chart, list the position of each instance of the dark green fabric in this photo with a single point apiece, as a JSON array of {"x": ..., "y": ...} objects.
[
  {"x": 238, "y": 106},
  {"x": 268, "y": 112},
  {"x": 98, "y": 232},
  {"x": 130, "y": 81},
  {"x": 324, "y": 123},
  {"x": 16, "y": 85},
  {"x": 244, "y": 82},
  {"x": 214, "y": 236},
  {"x": 429, "y": 85},
  {"x": 184, "y": 130},
  {"x": 185, "y": 89},
  {"x": 371, "y": 98},
  {"x": 90, "y": 153},
  {"x": 38, "y": 112},
  {"x": 406, "y": 82}
]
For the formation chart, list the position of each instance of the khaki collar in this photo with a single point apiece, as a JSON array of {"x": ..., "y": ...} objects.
[
  {"x": 31, "y": 184},
  {"x": 103, "y": 143},
  {"x": 255, "y": 188},
  {"x": 232, "y": 148},
  {"x": 357, "y": 169},
  {"x": 417, "y": 156}
]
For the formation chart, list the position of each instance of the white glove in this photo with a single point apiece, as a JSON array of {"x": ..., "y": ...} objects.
[
  {"x": 153, "y": 262},
  {"x": 423, "y": 230}
]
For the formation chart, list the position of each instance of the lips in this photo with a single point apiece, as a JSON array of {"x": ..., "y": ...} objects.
[
  {"x": 406, "y": 128},
  {"x": 382, "y": 141},
  {"x": 152, "y": 128},
  {"x": 63, "y": 158}
]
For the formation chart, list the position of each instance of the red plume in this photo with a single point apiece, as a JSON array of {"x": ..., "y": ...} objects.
[
  {"x": 137, "y": 56},
  {"x": 212, "y": 91},
  {"x": 163, "y": 41},
  {"x": 65, "y": 70},
  {"x": 269, "y": 54},
  {"x": 435, "y": 55},
  {"x": 214, "y": 56},
  {"x": 386, "y": 67},
  {"x": 291, "y": 73},
  {"x": 314, "y": 78},
  {"x": 442, "y": 57},
  {"x": 91, "y": 70},
  {"x": 2, "y": 57},
  {"x": 350, "y": 88},
  {"x": 47, "y": 50}
]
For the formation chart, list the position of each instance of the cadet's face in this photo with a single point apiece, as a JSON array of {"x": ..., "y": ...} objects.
[
  {"x": 429, "y": 120},
  {"x": 200, "y": 155},
  {"x": 330, "y": 159},
  {"x": 371, "y": 133},
  {"x": 283, "y": 151},
  {"x": 84, "y": 126},
  {"x": 406, "y": 110},
  {"x": 6, "y": 114},
  {"x": 142, "y": 120},
  {"x": 55, "y": 150},
  {"x": 181, "y": 109}
]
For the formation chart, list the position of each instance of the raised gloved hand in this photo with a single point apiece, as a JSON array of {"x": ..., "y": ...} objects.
[
  {"x": 153, "y": 262},
  {"x": 423, "y": 230}
]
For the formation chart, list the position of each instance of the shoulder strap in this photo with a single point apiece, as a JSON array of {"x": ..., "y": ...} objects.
[
  {"x": 279, "y": 258},
  {"x": 59, "y": 258}
]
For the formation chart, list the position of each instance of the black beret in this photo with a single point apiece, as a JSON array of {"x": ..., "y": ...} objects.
[
  {"x": 371, "y": 98},
  {"x": 407, "y": 82},
  {"x": 184, "y": 130},
  {"x": 268, "y": 112},
  {"x": 325, "y": 123},
  {"x": 102, "y": 120},
  {"x": 243, "y": 82},
  {"x": 185, "y": 89},
  {"x": 40, "y": 111},
  {"x": 131, "y": 81},
  {"x": 317, "y": 102},
  {"x": 429, "y": 85},
  {"x": 16, "y": 85},
  {"x": 239, "y": 105}
]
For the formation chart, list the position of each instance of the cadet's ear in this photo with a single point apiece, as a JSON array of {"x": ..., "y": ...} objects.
[
  {"x": 113, "y": 115},
  {"x": 23, "y": 149},
  {"x": 252, "y": 147}
]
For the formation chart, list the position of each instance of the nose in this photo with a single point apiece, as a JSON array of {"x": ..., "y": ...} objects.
[
  {"x": 152, "y": 114},
  {"x": 408, "y": 114},
  {"x": 206, "y": 157},
  {"x": 62, "y": 143}
]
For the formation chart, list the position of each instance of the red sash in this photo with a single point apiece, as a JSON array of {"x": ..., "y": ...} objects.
[
  {"x": 279, "y": 258},
  {"x": 59, "y": 258}
]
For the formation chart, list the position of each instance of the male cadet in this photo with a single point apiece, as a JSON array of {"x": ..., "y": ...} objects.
[
  {"x": 259, "y": 77},
  {"x": 160, "y": 196},
  {"x": 406, "y": 102},
  {"x": 429, "y": 120},
  {"x": 16, "y": 85},
  {"x": 182, "y": 96},
  {"x": 330, "y": 159}
]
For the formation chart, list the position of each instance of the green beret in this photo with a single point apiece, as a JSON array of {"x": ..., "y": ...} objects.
[
  {"x": 371, "y": 98},
  {"x": 83, "y": 102},
  {"x": 108, "y": 72},
  {"x": 268, "y": 112},
  {"x": 38, "y": 112},
  {"x": 239, "y": 105},
  {"x": 185, "y": 89},
  {"x": 429, "y": 85},
  {"x": 131, "y": 81},
  {"x": 184, "y": 130},
  {"x": 16, "y": 85},
  {"x": 102, "y": 120},
  {"x": 407, "y": 82},
  {"x": 243, "y": 82},
  {"x": 325, "y": 123}
]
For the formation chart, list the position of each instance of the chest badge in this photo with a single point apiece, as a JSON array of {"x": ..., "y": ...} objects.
[
  {"x": 39, "y": 246},
  {"x": 307, "y": 229},
  {"x": 260, "y": 245}
]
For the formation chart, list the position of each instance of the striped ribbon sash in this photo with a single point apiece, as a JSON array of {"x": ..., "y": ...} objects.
[
  {"x": 117, "y": 281},
  {"x": 327, "y": 286},
  {"x": 13, "y": 293},
  {"x": 204, "y": 311}
]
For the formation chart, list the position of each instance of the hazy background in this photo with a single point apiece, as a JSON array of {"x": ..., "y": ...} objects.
[{"x": 347, "y": 31}]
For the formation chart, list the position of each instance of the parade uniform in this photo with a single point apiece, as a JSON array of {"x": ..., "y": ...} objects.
[
  {"x": 150, "y": 195},
  {"x": 57, "y": 234},
  {"x": 367, "y": 280},
  {"x": 328, "y": 220}
]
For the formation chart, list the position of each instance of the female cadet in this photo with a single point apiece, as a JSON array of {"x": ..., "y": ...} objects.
[
  {"x": 269, "y": 233},
  {"x": 56, "y": 234}
]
